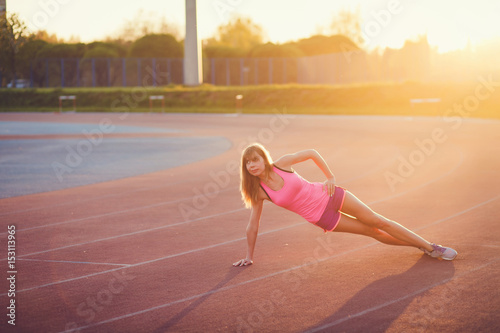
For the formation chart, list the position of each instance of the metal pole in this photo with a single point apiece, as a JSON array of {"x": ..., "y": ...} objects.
[
  {"x": 93, "y": 72},
  {"x": 192, "y": 48},
  {"x": 47, "y": 72},
  {"x": 270, "y": 70},
  {"x": 213, "y": 70},
  {"x": 31, "y": 75},
  {"x": 124, "y": 73},
  {"x": 153, "y": 62},
  {"x": 77, "y": 72},
  {"x": 242, "y": 81},
  {"x": 139, "y": 72},
  {"x": 62, "y": 72},
  {"x": 256, "y": 66},
  {"x": 109, "y": 71},
  {"x": 169, "y": 70}
]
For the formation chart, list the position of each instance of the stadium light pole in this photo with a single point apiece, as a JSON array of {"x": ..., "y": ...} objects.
[{"x": 192, "y": 48}]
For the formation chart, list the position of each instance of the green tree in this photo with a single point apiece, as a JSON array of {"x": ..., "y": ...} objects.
[
  {"x": 325, "y": 44},
  {"x": 239, "y": 33},
  {"x": 348, "y": 24},
  {"x": 157, "y": 45},
  {"x": 145, "y": 23},
  {"x": 270, "y": 50},
  {"x": 44, "y": 35},
  {"x": 62, "y": 51},
  {"x": 48, "y": 61},
  {"x": 101, "y": 53},
  {"x": 27, "y": 56},
  {"x": 415, "y": 57},
  {"x": 105, "y": 50},
  {"x": 13, "y": 35},
  {"x": 215, "y": 51}
]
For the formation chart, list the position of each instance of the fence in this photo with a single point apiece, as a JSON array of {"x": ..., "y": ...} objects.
[
  {"x": 127, "y": 72},
  {"x": 336, "y": 68},
  {"x": 105, "y": 72}
]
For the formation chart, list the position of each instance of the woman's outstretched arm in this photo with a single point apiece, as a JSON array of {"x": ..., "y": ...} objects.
[{"x": 252, "y": 232}]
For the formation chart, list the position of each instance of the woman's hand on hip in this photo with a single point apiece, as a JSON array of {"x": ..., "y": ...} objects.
[{"x": 329, "y": 186}]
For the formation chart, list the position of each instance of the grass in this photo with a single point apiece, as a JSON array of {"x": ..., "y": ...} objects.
[{"x": 353, "y": 99}]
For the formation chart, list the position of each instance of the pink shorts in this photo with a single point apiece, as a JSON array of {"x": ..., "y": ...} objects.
[{"x": 331, "y": 215}]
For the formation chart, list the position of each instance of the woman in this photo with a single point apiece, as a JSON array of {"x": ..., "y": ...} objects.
[{"x": 322, "y": 204}]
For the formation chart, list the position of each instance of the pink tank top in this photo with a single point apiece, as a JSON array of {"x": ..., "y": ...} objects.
[{"x": 307, "y": 199}]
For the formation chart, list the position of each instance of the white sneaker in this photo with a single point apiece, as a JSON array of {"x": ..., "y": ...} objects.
[{"x": 441, "y": 252}]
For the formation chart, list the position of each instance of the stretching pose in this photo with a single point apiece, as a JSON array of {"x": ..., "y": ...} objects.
[{"x": 322, "y": 204}]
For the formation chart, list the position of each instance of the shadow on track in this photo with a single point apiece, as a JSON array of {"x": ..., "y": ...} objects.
[
  {"x": 232, "y": 273},
  {"x": 375, "y": 307}
]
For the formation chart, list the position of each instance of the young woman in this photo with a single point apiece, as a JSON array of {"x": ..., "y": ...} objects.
[{"x": 322, "y": 204}]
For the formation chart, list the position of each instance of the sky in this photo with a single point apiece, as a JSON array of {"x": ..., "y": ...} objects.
[{"x": 449, "y": 24}]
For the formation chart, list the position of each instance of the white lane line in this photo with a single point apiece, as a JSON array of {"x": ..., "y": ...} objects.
[
  {"x": 375, "y": 308},
  {"x": 219, "y": 244},
  {"x": 76, "y": 262},
  {"x": 119, "y": 212},
  {"x": 240, "y": 239},
  {"x": 198, "y": 219},
  {"x": 390, "y": 159},
  {"x": 190, "y": 298},
  {"x": 462, "y": 212},
  {"x": 155, "y": 260},
  {"x": 163, "y": 258},
  {"x": 455, "y": 167},
  {"x": 131, "y": 233},
  {"x": 220, "y": 289},
  {"x": 79, "y": 201}
]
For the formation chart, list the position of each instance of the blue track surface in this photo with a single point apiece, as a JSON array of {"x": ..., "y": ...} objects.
[
  {"x": 42, "y": 128},
  {"x": 39, "y": 165}
]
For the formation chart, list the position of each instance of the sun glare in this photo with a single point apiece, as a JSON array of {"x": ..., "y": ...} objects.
[
  {"x": 448, "y": 24},
  {"x": 453, "y": 26}
]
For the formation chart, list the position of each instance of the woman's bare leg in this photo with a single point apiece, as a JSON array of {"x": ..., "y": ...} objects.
[
  {"x": 389, "y": 232},
  {"x": 354, "y": 226}
]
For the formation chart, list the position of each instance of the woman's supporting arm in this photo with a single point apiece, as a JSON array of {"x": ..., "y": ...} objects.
[{"x": 252, "y": 232}]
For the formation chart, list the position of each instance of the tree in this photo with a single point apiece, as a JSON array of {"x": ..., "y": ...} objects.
[
  {"x": 239, "y": 33},
  {"x": 326, "y": 44},
  {"x": 348, "y": 24},
  {"x": 100, "y": 52},
  {"x": 415, "y": 57},
  {"x": 145, "y": 24},
  {"x": 48, "y": 61},
  {"x": 215, "y": 51},
  {"x": 62, "y": 51},
  {"x": 27, "y": 55},
  {"x": 100, "y": 55},
  {"x": 157, "y": 45},
  {"x": 270, "y": 50},
  {"x": 44, "y": 35},
  {"x": 13, "y": 35},
  {"x": 105, "y": 49}
]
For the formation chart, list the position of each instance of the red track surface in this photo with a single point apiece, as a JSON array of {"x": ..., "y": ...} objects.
[{"x": 153, "y": 253}]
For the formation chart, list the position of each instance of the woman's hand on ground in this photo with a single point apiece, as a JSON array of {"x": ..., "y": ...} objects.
[
  {"x": 329, "y": 186},
  {"x": 243, "y": 262}
]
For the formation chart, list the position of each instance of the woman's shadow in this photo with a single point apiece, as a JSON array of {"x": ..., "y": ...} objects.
[
  {"x": 378, "y": 305},
  {"x": 231, "y": 274}
]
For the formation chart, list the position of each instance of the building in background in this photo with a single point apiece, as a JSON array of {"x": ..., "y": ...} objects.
[{"x": 3, "y": 8}]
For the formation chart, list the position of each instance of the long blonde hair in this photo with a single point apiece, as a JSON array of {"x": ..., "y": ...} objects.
[{"x": 249, "y": 186}]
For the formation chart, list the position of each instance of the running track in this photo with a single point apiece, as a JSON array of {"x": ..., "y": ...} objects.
[{"x": 152, "y": 252}]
